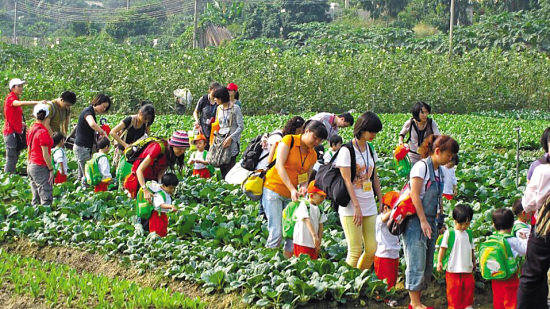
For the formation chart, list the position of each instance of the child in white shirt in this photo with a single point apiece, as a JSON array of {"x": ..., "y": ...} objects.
[
  {"x": 198, "y": 158},
  {"x": 522, "y": 227},
  {"x": 449, "y": 178},
  {"x": 386, "y": 258},
  {"x": 461, "y": 259},
  {"x": 162, "y": 201},
  {"x": 59, "y": 158},
  {"x": 308, "y": 230},
  {"x": 335, "y": 143},
  {"x": 103, "y": 164}
]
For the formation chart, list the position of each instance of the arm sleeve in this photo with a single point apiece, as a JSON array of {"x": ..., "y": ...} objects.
[
  {"x": 198, "y": 108},
  {"x": 518, "y": 245},
  {"x": 537, "y": 191},
  {"x": 453, "y": 177},
  {"x": 157, "y": 201},
  {"x": 344, "y": 158},
  {"x": 301, "y": 212},
  {"x": 58, "y": 157},
  {"x": 327, "y": 157},
  {"x": 240, "y": 122},
  {"x": 406, "y": 128},
  {"x": 445, "y": 240},
  {"x": 435, "y": 127},
  {"x": 323, "y": 218},
  {"x": 104, "y": 167},
  {"x": 127, "y": 121},
  {"x": 419, "y": 170}
]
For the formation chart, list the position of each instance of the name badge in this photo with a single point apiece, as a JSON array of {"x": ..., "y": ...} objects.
[
  {"x": 367, "y": 186},
  {"x": 302, "y": 178}
]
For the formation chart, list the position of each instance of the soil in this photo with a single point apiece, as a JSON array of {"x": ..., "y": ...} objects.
[{"x": 97, "y": 264}]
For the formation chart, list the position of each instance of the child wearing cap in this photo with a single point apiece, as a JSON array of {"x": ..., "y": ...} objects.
[
  {"x": 198, "y": 158},
  {"x": 308, "y": 230},
  {"x": 386, "y": 258}
]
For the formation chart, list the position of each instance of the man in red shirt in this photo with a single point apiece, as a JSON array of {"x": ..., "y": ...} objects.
[{"x": 13, "y": 123}]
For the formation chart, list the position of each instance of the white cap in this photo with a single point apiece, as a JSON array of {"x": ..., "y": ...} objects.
[
  {"x": 41, "y": 107},
  {"x": 16, "y": 82}
]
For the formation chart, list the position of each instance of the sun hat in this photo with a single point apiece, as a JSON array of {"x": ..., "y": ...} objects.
[
  {"x": 40, "y": 107},
  {"x": 313, "y": 189},
  {"x": 199, "y": 137},
  {"x": 179, "y": 139},
  {"x": 232, "y": 86},
  {"x": 16, "y": 82}
]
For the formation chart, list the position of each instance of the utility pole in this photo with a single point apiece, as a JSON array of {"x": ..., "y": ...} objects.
[
  {"x": 195, "y": 16},
  {"x": 127, "y": 5},
  {"x": 451, "y": 27},
  {"x": 15, "y": 25},
  {"x": 346, "y": 4}
]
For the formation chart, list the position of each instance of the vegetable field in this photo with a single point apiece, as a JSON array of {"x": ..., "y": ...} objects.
[{"x": 216, "y": 240}]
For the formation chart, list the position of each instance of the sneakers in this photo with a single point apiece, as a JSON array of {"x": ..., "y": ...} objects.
[{"x": 391, "y": 303}]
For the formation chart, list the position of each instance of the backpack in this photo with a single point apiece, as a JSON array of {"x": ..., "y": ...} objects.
[
  {"x": 429, "y": 128},
  {"x": 253, "y": 152},
  {"x": 144, "y": 209},
  {"x": 520, "y": 226},
  {"x": 289, "y": 218},
  {"x": 91, "y": 169},
  {"x": 496, "y": 259},
  {"x": 210, "y": 168},
  {"x": 132, "y": 153},
  {"x": 450, "y": 244}
]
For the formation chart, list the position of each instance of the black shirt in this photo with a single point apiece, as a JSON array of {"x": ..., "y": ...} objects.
[
  {"x": 133, "y": 134},
  {"x": 207, "y": 112},
  {"x": 85, "y": 135}
]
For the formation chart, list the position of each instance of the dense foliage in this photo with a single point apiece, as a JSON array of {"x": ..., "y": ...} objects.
[
  {"x": 272, "y": 78},
  {"x": 217, "y": 238}
]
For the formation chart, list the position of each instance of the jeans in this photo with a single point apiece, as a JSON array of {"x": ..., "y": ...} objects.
[
  {"x": 359, "y": 237},
  {"x": 41, "y": 188},
  {"x": 82, "y": 154},
  {"x": 533, "y": 283},
  {"x": 419, "y": 254},
  {"x": 274, "y": 204},
  {"x": 12, "y": 155}
]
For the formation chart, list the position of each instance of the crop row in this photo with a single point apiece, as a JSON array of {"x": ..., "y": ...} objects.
[
  {"x": 58, "y": 284},
  {"x": 272, "y": 79}
]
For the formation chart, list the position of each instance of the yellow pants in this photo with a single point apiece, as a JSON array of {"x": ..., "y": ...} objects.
[{"x": 359, "y": 237}]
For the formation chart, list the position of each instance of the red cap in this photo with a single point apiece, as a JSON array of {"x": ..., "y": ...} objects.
[
  {"x": 313, "y": 189},
  {"x": 232, "y": 86}
]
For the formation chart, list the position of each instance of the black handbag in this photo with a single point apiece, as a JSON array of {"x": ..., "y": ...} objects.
[{"x": 20, "y": 138}]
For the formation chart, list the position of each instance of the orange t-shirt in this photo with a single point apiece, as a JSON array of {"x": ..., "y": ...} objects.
[{"x": 296, "y": 164}]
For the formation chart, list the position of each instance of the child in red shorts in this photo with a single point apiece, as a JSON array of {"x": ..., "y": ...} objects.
[
  {"x": 386, "y": 258},
  {"x": 59, "y": 158},
  {"x": 198, "y": 158},
  {"x": 308, "y": 230},
  {"x": 162, "y": 201}
]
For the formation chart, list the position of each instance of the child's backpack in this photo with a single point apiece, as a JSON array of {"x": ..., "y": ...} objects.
[
  {"x": 210, "y": 168},
  {"x": 450, "y": 244},
  {"x": 253, "y": 152},
  {"x": 519, "y": 226},
  {"x": 496, "y": 259},
  {"x": 132, "y": 153},
  {"x": 289, "y": 218},
  {"x": 144, "y": 209},
  {"x": 91, "y": 169}
]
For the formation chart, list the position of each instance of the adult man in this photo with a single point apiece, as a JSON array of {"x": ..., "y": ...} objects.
[
  {"x": 333, "y": 122},
  {"x": 14, "y": 126},
  {"x": 59, "y": 113}
]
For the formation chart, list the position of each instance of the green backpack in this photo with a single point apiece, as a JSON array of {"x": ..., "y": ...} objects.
[
  {"x": 496, "y": 259},
  {"x": 133, "y": 151},
  {"x": 450, "y": 244},
  {"x": 91, "y": 169},
  {"x": 211, "y": 169},
  {"x": 144, "y": 209},
  {"x": 123, "y": 169},
  {"x": 289, "y": 218}
]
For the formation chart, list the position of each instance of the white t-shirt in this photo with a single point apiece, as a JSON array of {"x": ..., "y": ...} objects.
[
  {"x": 363, "y": 174},
  {"x": 301, "y": 234},
  {"x": 104, "y": 167},
  {"x": 197, "y": 155},
  {"x": 460, "y": 258},
  {"x": 328, "y": 156},
  {"x": 158, "y": 200},
  {"x": 419, "y": 170},
  {"x": 450, "y": 179},
  {"x": 526, "y": 231},
  {"x": 388, "y": 244},
  {"x": 274, "y": 137},
  {"x": 60, "y": 159},
  {"x": 518, "y": 245}
]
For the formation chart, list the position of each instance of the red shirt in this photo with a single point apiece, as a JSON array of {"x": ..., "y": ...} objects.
[
  {"x": 39, "y": 139},
  {"x": 159, "y": 161},
  {"x": 13, "y": 115}
]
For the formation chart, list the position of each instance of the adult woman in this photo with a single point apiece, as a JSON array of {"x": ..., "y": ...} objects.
[
  {"x": 294, "y": 126},
  {"x": 205, "y": 112},
  {"x": 419, "y": 127},
  {"x": 231, "y": 125},
  {"x": 420, "y": 232},
  {"x": 40, "y": 169},
  {"x": 545, "y": 143},
  {"x": 295, "y": 159},
  {"x": 14, "y": 125},
  {"x": 359, "y": 216},
  {"x": 86, "y": 129},
  {"x": 333, "y": 122},
  {"x": 134, "y": 127},
  {"x": 234, "y": 94}
]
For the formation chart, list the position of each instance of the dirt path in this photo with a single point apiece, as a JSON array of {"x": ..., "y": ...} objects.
[{"x": 100, "y": 265}]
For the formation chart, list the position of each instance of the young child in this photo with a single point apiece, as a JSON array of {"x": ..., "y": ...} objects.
[
  {"x": 198, "y": 158},
  {"x": 386, "y": 258},
  {"x": 335, "y": 143},
  {"x": 522, "y": 227},
  {"x": 449, "y": 177},
  {"x": 308, "y": 230},
  {"x": 103, "y": 164},
  {"x": 459, "y": 276},
  {"x": 59, "y": 158},
  {"x": 505, "y": 291},
  {"x": 162, "y": 201}
]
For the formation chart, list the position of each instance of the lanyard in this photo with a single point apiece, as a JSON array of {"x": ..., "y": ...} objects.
[
  {"x": 303, "y": 160},
  {"x": 361, "y": 153}
]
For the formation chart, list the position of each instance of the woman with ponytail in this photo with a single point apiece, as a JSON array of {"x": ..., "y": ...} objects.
[{"x": 420, "y": 234}]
